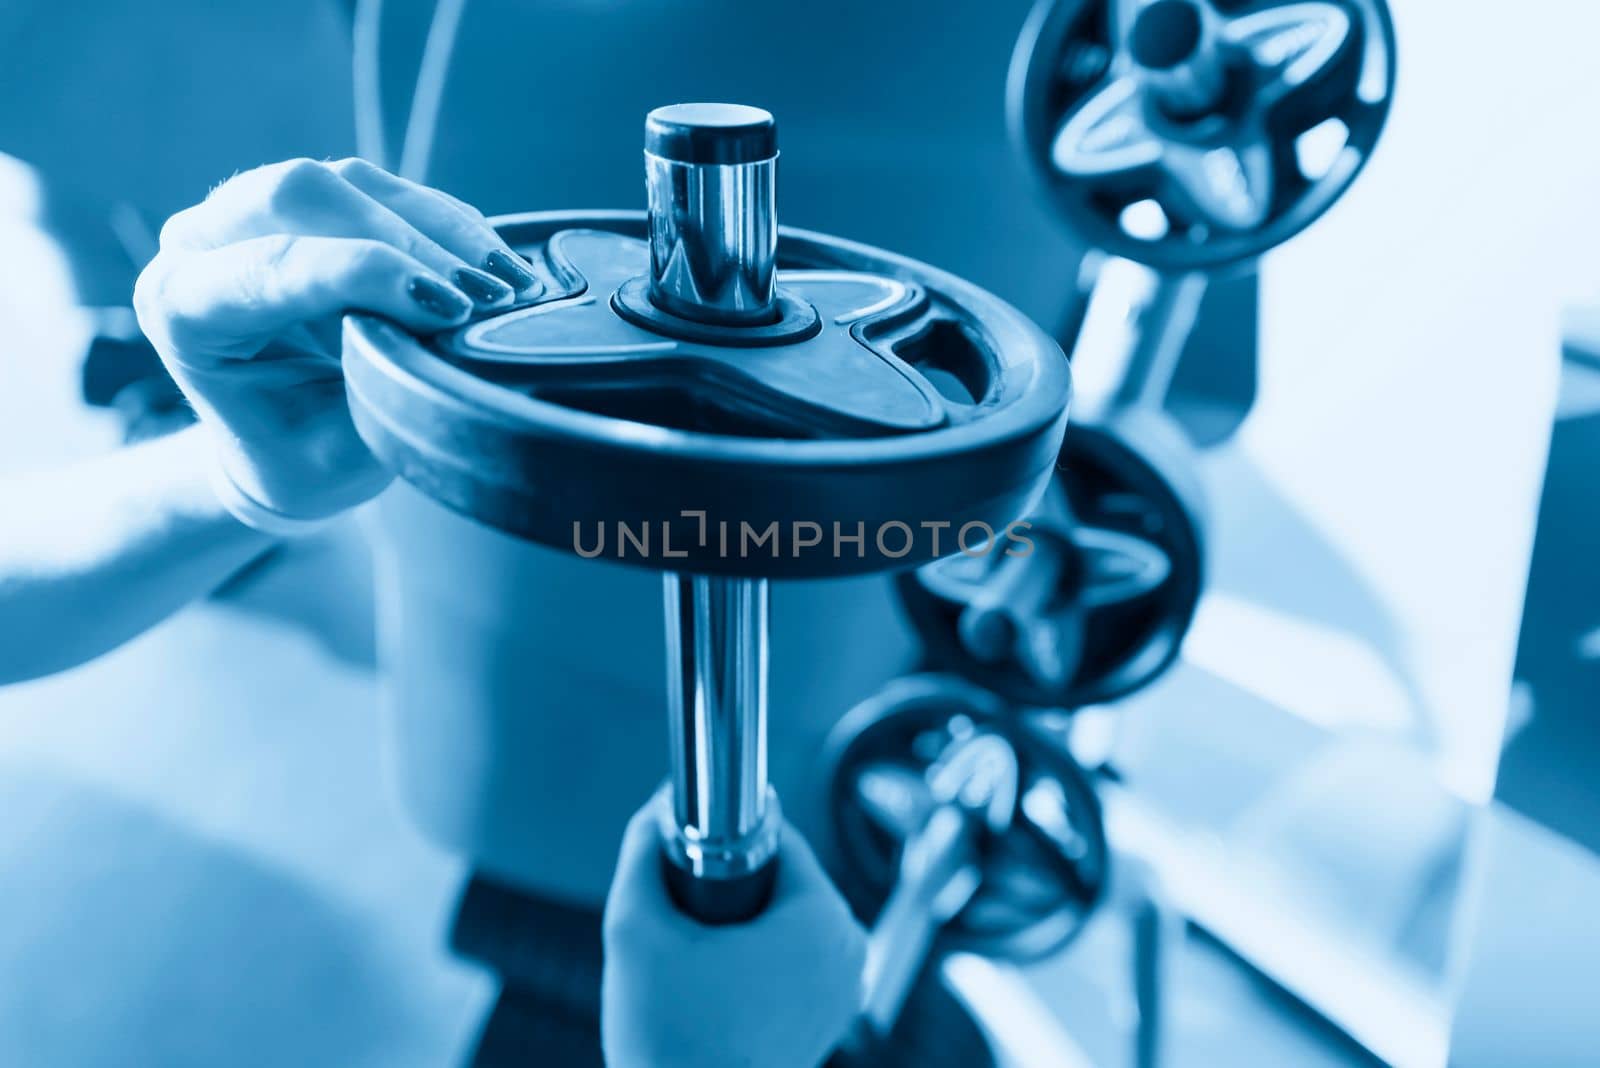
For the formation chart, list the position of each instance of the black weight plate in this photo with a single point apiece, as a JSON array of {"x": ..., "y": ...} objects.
[
  {"x": 1041, "y": 880},
  {"x": 1228, "y": 185},
  {"x": 893, "y": 405},
  {"x": 1134, "y": 478}
]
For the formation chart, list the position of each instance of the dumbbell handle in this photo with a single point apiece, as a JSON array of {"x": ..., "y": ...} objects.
[
  {"x": 938, "y": 876},
  {"x": 1137, "y": 371}
]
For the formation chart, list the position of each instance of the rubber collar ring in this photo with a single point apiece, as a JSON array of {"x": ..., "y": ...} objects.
[{"x": 797, "y": 320}]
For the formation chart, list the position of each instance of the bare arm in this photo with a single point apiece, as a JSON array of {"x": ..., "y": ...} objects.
[
  {"x": 243, "y": 304},
  {"x": 95, "y": 553}
]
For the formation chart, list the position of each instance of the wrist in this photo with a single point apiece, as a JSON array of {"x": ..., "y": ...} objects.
[
  {"x": 252, "y": 513},
  {"x": 201, "y": 488}
]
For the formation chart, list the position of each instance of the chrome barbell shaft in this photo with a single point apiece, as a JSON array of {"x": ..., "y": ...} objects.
[{"x": 709, "y": 173}]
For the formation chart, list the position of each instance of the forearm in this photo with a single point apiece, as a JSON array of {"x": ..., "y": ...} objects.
[{"x": 96, "y": 553}]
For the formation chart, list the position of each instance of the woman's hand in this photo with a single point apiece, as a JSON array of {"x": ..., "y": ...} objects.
[
  {"x": 777, "y": 992},
  {"x": 244, "y": 299}
]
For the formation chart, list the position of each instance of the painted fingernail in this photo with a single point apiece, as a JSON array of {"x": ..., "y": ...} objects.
[
  {"x": 509, "y": 268},
  {"x": 436, "y": 298},
  {"x": 482, "y": 288}
]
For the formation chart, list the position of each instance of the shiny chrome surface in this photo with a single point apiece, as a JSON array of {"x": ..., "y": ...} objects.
[
  {"x": 724, "y": 813},
  {"x": 713, "y": 239},
  {"x": 713, "y": 258}
]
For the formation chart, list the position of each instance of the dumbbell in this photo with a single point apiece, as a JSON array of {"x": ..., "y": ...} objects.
[
  {"x": 695, "y": 391},
  {"x": 956, "y": 826},
  {"x": 1195, "y": 135},
  {"x": 1189, "y": 137}
]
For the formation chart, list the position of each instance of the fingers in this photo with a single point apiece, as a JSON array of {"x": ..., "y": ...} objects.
[
  {"x": 805, "y": 899},
  {"x": 805, "y": 890},
  {"x": 454, "y": 225},
  {"x": 803, "y": 893},
  {"x": 243, "y": 302},
  {"x": 306, "y": 198},
  {"x": 639, "y": 859},
  {"x": 207, "y": 307},
  {"x": 639, "y": 909},
  {"x": 666, "y": 994}
]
